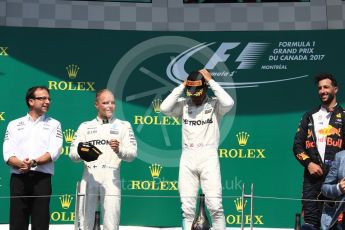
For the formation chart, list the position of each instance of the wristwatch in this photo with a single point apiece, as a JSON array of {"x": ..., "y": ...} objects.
[{"x": 33, "y": 163}]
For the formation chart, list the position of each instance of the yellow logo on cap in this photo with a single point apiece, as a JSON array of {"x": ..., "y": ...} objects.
[{"x": 196, "y": 94}]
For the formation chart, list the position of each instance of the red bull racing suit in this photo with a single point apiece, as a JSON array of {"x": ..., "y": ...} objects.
[
  {"x": 199, "y": 161},
  {"x": 317, "y": 135},
  {"x": 101, "y": 178}
]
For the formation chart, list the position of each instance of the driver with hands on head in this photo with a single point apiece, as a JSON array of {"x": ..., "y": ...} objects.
[
  {"x": 102, "y": 143},
  {"x": 199, "y": 163}
]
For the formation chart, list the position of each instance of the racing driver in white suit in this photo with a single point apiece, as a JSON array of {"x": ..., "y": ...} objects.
[
  {"x": 101, "y": 178},
  {"x": 199, "y": 163}
]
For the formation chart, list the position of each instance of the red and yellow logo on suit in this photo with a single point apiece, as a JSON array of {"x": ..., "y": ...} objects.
[{"x": 302, "y": 156}]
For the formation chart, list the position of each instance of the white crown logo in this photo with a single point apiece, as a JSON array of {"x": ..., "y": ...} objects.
[
  {"x": 66, "y": 201},
  {"x": 155, "y": 170},
  {"x": 72, "y": 71},
  {"x": 156, "y": 103},
  {"x": 239, "y": 204},
  {"x": 68, "y": 134},
  {"x": 242, "y": 138}
]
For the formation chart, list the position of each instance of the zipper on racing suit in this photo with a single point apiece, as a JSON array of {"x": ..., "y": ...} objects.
[{"x": 327, "y": 201}]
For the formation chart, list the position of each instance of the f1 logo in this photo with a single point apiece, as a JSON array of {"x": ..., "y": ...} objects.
[
  {"x": 247, "y": 58},
  {"x": 220, "y": 55}
]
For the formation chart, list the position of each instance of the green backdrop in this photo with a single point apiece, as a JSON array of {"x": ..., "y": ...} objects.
[{"x": 269, "y": 74}]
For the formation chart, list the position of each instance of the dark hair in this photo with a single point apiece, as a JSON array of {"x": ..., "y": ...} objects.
[
  {"x": 324, "y": 76},
  {"x": 30, "y": 94}
]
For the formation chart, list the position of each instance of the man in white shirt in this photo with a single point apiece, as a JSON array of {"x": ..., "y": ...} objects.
[
  {"x": 199, "y": 163},
  {"x": 32, "y": 144}
]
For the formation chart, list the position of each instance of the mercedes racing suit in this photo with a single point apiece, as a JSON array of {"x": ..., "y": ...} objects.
[
  {"x": 101, "y": 178},
  {"x": 199, "y": 163},
  {"x": 319, "y": 132}
]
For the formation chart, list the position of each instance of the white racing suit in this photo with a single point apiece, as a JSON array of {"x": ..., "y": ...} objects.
[
  {"x": 101, "y": 178},
  {"x": 199, "y": 163}
]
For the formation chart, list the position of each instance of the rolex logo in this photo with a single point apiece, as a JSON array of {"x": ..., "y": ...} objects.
[
  {"x": 242, "y": 138},
  {"x": 155, "y": 170},
  {"x": 156, "y": 103},
  {"x": 72, "y": 71},
  {"x": 3, "y": 51},
  {"x": 65, "y": 201},
  {"x": 68, "y": 134},
  {"x": 239, "y": 204}
]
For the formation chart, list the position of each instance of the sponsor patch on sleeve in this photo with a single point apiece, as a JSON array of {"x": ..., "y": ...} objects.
[{"x": 302, "y": 156}]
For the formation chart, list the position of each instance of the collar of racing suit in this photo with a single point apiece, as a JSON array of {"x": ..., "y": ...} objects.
[
  {"x": 190, "y": 102},
  {"x": 336, "y": 109},
  {"x": 104, "y": 121}
]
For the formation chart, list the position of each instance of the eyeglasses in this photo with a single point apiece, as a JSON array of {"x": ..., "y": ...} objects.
[{"x": 42, "y": 98}]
